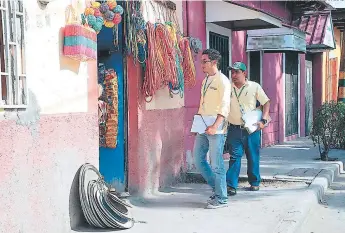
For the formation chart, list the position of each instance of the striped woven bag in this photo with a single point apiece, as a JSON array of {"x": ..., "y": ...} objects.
[{"x": 80, "y": 41}]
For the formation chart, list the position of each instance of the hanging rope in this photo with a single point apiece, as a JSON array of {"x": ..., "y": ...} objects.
[
  {"x": 187, "y": 63},
  {"x": 165, "y": 56},
  {"x": 151, "y": 80},
  {"x": 177, "y": 62}
]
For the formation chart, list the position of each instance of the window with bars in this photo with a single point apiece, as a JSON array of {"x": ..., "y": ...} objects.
[{"x": 13, "y": 85}]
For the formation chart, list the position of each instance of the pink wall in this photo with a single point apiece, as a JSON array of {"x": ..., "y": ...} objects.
[
  {"x": 238, "y": 46},
  {"x": 194, "y": 26},
  {"x": 156, "y": 144},
  {"x": 273, "y": 86},
  {"x": 277, "y": 8},
  {"x": 39, "y": 161}
]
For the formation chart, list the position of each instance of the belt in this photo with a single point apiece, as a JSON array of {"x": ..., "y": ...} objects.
[{"x": 236, "y": 126}]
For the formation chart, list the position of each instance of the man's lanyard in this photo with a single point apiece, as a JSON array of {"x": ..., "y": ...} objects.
[
  {"x": 238, "y": 98},
  {"x": 206, "y": 87}
]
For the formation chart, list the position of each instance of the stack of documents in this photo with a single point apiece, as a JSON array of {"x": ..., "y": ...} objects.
[{"x": 200, "y": 123}]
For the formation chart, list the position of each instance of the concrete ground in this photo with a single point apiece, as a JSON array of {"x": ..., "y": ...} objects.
[
  {"x": 182, "y": 209},
  {"x": 295, "y": 183},
  {"x": 328, "y": 216}
]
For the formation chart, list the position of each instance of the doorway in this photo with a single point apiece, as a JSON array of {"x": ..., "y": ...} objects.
[
  {"x": 113, "y": 155},
  {"x": 291, "y": 94},
  {"x": 255, "y": 64},
  {"x": 308, "y": 97}
]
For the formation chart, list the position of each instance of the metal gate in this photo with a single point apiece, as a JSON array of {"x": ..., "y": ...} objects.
[
  {"x": 291, "y": 94},
  {"x": 221, "y": 43},
  {"x": 308, "y": 97}
]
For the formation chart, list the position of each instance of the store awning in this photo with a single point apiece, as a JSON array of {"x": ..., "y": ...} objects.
[
  {"x": 276, "y": 40},
  {"x": 319, "y": 30},
  {"x": 237, "y": 18}
]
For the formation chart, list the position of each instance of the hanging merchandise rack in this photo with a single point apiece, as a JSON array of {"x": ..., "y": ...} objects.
[{"x": 160, "y": 48}]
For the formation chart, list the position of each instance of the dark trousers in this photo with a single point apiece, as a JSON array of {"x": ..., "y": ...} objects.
[{"x": 240, "y": 142}]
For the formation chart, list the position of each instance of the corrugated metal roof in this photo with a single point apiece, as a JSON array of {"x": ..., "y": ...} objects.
[
  {"x": 318, "y": 28},
  {"x": 314, "y": 26}
]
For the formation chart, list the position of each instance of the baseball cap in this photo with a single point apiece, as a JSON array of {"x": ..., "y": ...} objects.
[{"x": 238, "y": 66}]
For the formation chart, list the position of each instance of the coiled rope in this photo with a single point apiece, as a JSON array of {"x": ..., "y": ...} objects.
[
  {"x": 179, "y": 88},
  {"x": 187, "y": 63},
  {"x": 151, "y": 80},
  {"x": 165, "y": 56}
]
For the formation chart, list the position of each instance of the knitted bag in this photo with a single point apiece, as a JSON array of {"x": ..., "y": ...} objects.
[{"x": 80, "y": 42}]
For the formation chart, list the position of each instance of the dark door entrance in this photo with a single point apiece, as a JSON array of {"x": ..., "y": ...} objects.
[
  {"x": 221, "y": 43},
  {"x": 254, "y": 67},
  {"x": 291, "y": 94},
  {"x": 308, "y": 97}
]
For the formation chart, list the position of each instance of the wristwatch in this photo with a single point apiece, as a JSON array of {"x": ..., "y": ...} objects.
[{"x": 264, "y": 121}]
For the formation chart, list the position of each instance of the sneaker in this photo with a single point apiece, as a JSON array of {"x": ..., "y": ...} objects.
[
  {"x": 254, "y": 188},
  {"x": 215, "y": 204},
  {"x": 211, "y": 198},
  {"x": 231, "y": 191}
]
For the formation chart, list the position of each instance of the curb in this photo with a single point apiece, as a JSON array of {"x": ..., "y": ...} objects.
[
  {"x": 295, "y": 217},
  {"x": 293, "y": 220}
]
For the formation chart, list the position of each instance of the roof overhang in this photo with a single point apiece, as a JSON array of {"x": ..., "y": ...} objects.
[
  {"x": 319, "y": 30},
  {"x": 276, "y": 40},
  {"x": 238, "y": 18}
]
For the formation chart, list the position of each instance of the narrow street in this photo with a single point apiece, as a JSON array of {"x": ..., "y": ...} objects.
[
  {"x": 181, "y": 209},
  {"x": 330, "y": 215}
]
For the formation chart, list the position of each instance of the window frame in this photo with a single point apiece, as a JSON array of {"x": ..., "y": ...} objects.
[{"x": 16, "y": 96}]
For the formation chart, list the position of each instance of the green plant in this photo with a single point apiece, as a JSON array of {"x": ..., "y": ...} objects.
[{"x": 328, "y": 128}]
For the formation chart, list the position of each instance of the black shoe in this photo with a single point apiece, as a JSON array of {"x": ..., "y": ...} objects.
[
  {"x": 254, "y": 188},
  {"x": 231, "y": 191}
]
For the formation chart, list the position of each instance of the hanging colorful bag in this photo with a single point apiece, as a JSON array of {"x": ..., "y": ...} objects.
[{"x": 80, "y": 41}]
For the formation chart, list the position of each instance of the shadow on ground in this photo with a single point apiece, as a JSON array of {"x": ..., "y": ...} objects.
[{"x": 195, "y": 195}]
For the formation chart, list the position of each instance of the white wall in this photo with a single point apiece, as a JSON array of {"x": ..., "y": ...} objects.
[{"x": 58, "y": 83}]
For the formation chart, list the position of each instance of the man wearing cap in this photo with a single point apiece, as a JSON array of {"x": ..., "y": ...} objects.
[
  {"x": 244, "y": 97},
  {"x": 214, "y": 102}
]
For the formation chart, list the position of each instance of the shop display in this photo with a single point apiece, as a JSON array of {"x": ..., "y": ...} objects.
[
  {"x": 107, "y": 107},
  {"x": 111, "y": 90},
  {"x": 165, "y": 55},
  {"x": 187, "y": 63},
  {"x": 106, "y": 13},
  {"x": 80, "y": 41}
]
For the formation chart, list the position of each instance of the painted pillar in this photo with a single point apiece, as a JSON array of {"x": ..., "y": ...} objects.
[
  {"x": 194, "y": 26},
  {"x": 272, "y": 83},
  {"x": 238, "y": 46}
]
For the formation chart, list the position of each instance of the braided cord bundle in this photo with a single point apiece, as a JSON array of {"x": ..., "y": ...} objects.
[
  {"x": 166, "y": 56},
  {"x": 187, "y": 63},
  {"x": 151, "y": 81},
  {"x": 177, "y": 64}
]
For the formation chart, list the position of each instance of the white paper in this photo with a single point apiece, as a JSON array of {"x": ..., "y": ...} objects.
[
  {"x": 251, "y": 118},
  {"x": 199, "y": 125}
]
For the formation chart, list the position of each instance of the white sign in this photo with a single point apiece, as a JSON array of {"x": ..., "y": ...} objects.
[{"x": 276, "y": 42}]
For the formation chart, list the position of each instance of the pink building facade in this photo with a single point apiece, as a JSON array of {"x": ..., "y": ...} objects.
[{"x": 279, "y": 67}]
